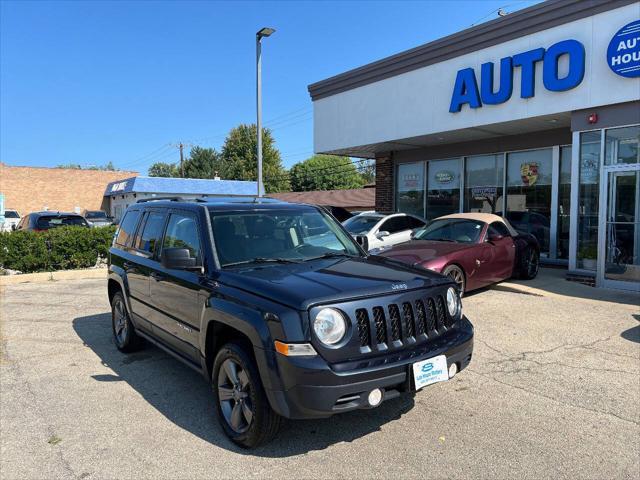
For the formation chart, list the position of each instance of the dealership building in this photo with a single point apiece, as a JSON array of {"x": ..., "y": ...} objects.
[{"x": 534, "y": 116}]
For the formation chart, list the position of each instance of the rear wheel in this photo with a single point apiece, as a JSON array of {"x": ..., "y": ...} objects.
[
  {"x": 124, "y": 334},
  {"x": 241, "y": 403},
  {"x": 456, "y": 274},
  {"x": 530, "y": 263}
]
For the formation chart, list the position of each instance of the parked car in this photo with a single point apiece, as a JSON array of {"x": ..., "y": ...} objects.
[
  {"x": 473, "y": 249},
  {"x": 97, "y": 218},
  {"x": 280, "y": 326},
  {"x": 377, "y": 230},
  {"x": 11, "y": 220},
  {"x": 39, "y": 221}
]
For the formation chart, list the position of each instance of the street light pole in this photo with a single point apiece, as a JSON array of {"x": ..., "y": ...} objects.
[{"x": 264, "y": 32}]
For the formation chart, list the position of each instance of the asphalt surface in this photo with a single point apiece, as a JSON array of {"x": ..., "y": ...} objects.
[{"x": 553, "y": 391}]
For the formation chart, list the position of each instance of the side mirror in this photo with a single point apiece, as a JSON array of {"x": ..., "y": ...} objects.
[
  {"x": 14, "y": 227},
  {"x": 179, "y": 259},
  {"x": 382, "y": 234},
  {"x": 494, "y": 237},
  {"x": 363, "y": 241}
]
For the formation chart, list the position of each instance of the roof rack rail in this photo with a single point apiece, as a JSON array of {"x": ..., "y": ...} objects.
[{"x": 153, "y": 199}]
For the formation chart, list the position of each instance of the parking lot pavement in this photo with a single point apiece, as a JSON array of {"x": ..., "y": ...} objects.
[{"x": 552, "y": 392}]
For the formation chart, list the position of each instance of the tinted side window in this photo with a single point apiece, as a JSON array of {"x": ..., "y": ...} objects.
[
  {"x": 127, "y": 227},
  {"x": 415, "y": 223},
  {"x": 395, "y": 225},
  {"x": 499, "y": 229},
  {"x": 151, "y": 232},
  {"x": 182, "y": 232}
]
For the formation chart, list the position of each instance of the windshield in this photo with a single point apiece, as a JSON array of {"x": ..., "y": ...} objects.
[
  {"x": 11, "y": 214},
  {"x": 278, "y": 236},
  {"x": 51, "y": 222},
  {"x": 451, "y": 230},
  {"x": 360, "y": 224},
  {"x": 96, "y": 215}
]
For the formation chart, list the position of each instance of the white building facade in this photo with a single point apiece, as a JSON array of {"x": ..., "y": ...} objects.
[{"x": 534, "y": 116}]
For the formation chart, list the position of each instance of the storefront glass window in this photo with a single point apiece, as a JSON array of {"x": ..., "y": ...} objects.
[
  {"x": 621, "y": 145},
  {"x": 564, "y": 202},
  {"x": 588, "y": 197},
  {"x": 484, "y": 175},
  {"x": 529, "y": 194},
  {"x": 443, "y": 192},
  {"x": 410, "y": 189}
]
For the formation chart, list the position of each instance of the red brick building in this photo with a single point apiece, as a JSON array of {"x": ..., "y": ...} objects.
[{"x": 30, "y": 189}]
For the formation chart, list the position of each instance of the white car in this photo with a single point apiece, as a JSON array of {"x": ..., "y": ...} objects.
[
  {"x": 11, "y": 220},
  {"x": 383, "y": 230}
]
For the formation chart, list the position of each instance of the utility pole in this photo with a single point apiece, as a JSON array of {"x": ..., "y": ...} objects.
[{"x": 181, "y": 160}]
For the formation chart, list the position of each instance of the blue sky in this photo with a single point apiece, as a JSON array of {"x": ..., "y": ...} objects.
[{"x": 92, "y": 82}]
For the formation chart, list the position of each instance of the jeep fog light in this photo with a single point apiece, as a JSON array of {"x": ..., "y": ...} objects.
[
  {"x": 375, "y": 397},
  {"x": 453, "y": 302},
  {"x": 453, "y": 369},
  {"x": 329, "y": 326}
]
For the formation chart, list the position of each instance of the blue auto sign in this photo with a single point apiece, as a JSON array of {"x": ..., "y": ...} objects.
[{"x": 623, "y": 54}]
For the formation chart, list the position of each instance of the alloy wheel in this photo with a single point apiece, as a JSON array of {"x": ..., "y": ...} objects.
[
  {"x": 234, "y": 390},
  {"x": 533, "y": 263},
  {"x": 458, "y": 277},
  {"x": 120, "y": 324}
]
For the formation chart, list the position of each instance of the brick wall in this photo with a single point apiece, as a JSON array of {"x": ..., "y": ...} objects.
[
  {"x": 30, "y": 189},
  {"x": 384, "y": 184}
]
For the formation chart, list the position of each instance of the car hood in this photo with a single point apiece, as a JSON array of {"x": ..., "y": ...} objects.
[
  {"x": 322, "y": 281},
  {"x": 420, "y": 251}
]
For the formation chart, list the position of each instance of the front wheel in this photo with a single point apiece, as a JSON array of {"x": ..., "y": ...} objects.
[
  {"x": 241, "y": 403},
  {"x": 456, "y": 274}
]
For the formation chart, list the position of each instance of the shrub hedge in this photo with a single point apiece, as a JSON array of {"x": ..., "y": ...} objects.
[{"x": 60, "y": 248}]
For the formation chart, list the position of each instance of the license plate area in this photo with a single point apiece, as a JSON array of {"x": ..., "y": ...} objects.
[{"x": 431, "y": 370}]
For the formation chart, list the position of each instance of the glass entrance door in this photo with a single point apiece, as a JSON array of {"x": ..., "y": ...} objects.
[{"x": 620, "y": 255}]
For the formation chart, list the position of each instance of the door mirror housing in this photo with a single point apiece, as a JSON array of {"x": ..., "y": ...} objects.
[
  {"x": 494, "y": 237},
  {"x": 382, "y": 234},
  {"x": 179, "y": 259},
  {"x": 363, "y": 241}
]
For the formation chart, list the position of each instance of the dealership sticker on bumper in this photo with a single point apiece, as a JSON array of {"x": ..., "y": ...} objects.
[{"x": 430, "y": 371}]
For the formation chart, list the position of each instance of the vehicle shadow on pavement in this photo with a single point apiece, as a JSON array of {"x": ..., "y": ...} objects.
[{"x": 183, "y": 397}]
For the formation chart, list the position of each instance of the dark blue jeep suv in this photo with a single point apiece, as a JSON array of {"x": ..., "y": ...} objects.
[{"x": 280, "y": 309}]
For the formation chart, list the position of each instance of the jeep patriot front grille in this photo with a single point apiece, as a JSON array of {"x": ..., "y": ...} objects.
[{"x": 406, "y": 322}]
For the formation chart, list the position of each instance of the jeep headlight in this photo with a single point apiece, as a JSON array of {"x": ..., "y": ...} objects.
[
  {"x": 453, "y": 303},
  {"x": 329, "y": 326}
]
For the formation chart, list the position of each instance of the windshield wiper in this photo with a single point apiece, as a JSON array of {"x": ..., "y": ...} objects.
[
  {"x": 442, "y": 240},
  {"x": 262, "y": 260},
  {"x": 330, "y": 255}
]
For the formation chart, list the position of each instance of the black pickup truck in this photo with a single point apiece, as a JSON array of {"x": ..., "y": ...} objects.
[{"x": 280, "y": 309}]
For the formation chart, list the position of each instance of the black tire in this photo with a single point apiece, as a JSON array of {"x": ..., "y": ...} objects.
[
  {"x": 529, "y": 263},
  {"x": 241, "y": 395},
  {"x": 124, "y": 334},
  {"x": 456, "y": 274}
]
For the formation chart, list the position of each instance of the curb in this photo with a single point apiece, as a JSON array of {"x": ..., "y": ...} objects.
[{"x": 43, "y": 277}]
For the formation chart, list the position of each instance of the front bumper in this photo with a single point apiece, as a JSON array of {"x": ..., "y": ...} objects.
[{"x": 313, "y": 389}]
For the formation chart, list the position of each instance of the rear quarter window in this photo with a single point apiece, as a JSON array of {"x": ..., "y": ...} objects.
[{"x": 127, "y": 228}]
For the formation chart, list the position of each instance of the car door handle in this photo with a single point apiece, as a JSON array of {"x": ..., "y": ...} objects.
[{"x": 158, "y": 277}]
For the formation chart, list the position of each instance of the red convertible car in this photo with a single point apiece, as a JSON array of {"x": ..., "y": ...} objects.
[{"x": 474, "y": 249}]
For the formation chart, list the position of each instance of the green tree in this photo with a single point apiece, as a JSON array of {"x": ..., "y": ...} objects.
[
  {"x": 76, "y": 166},
  {"x": 325, "y": 172},
  {"x": 202, "y": 163},
  {"x": 163, "y": 169},
  {"x": 240, "y": 160}
]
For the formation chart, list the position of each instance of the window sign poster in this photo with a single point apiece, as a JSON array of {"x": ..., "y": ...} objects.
[
  {"x": 528, "y": 169},
  {"x": 444, "y": 174},
  {"x": 411, "y": 177}
]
